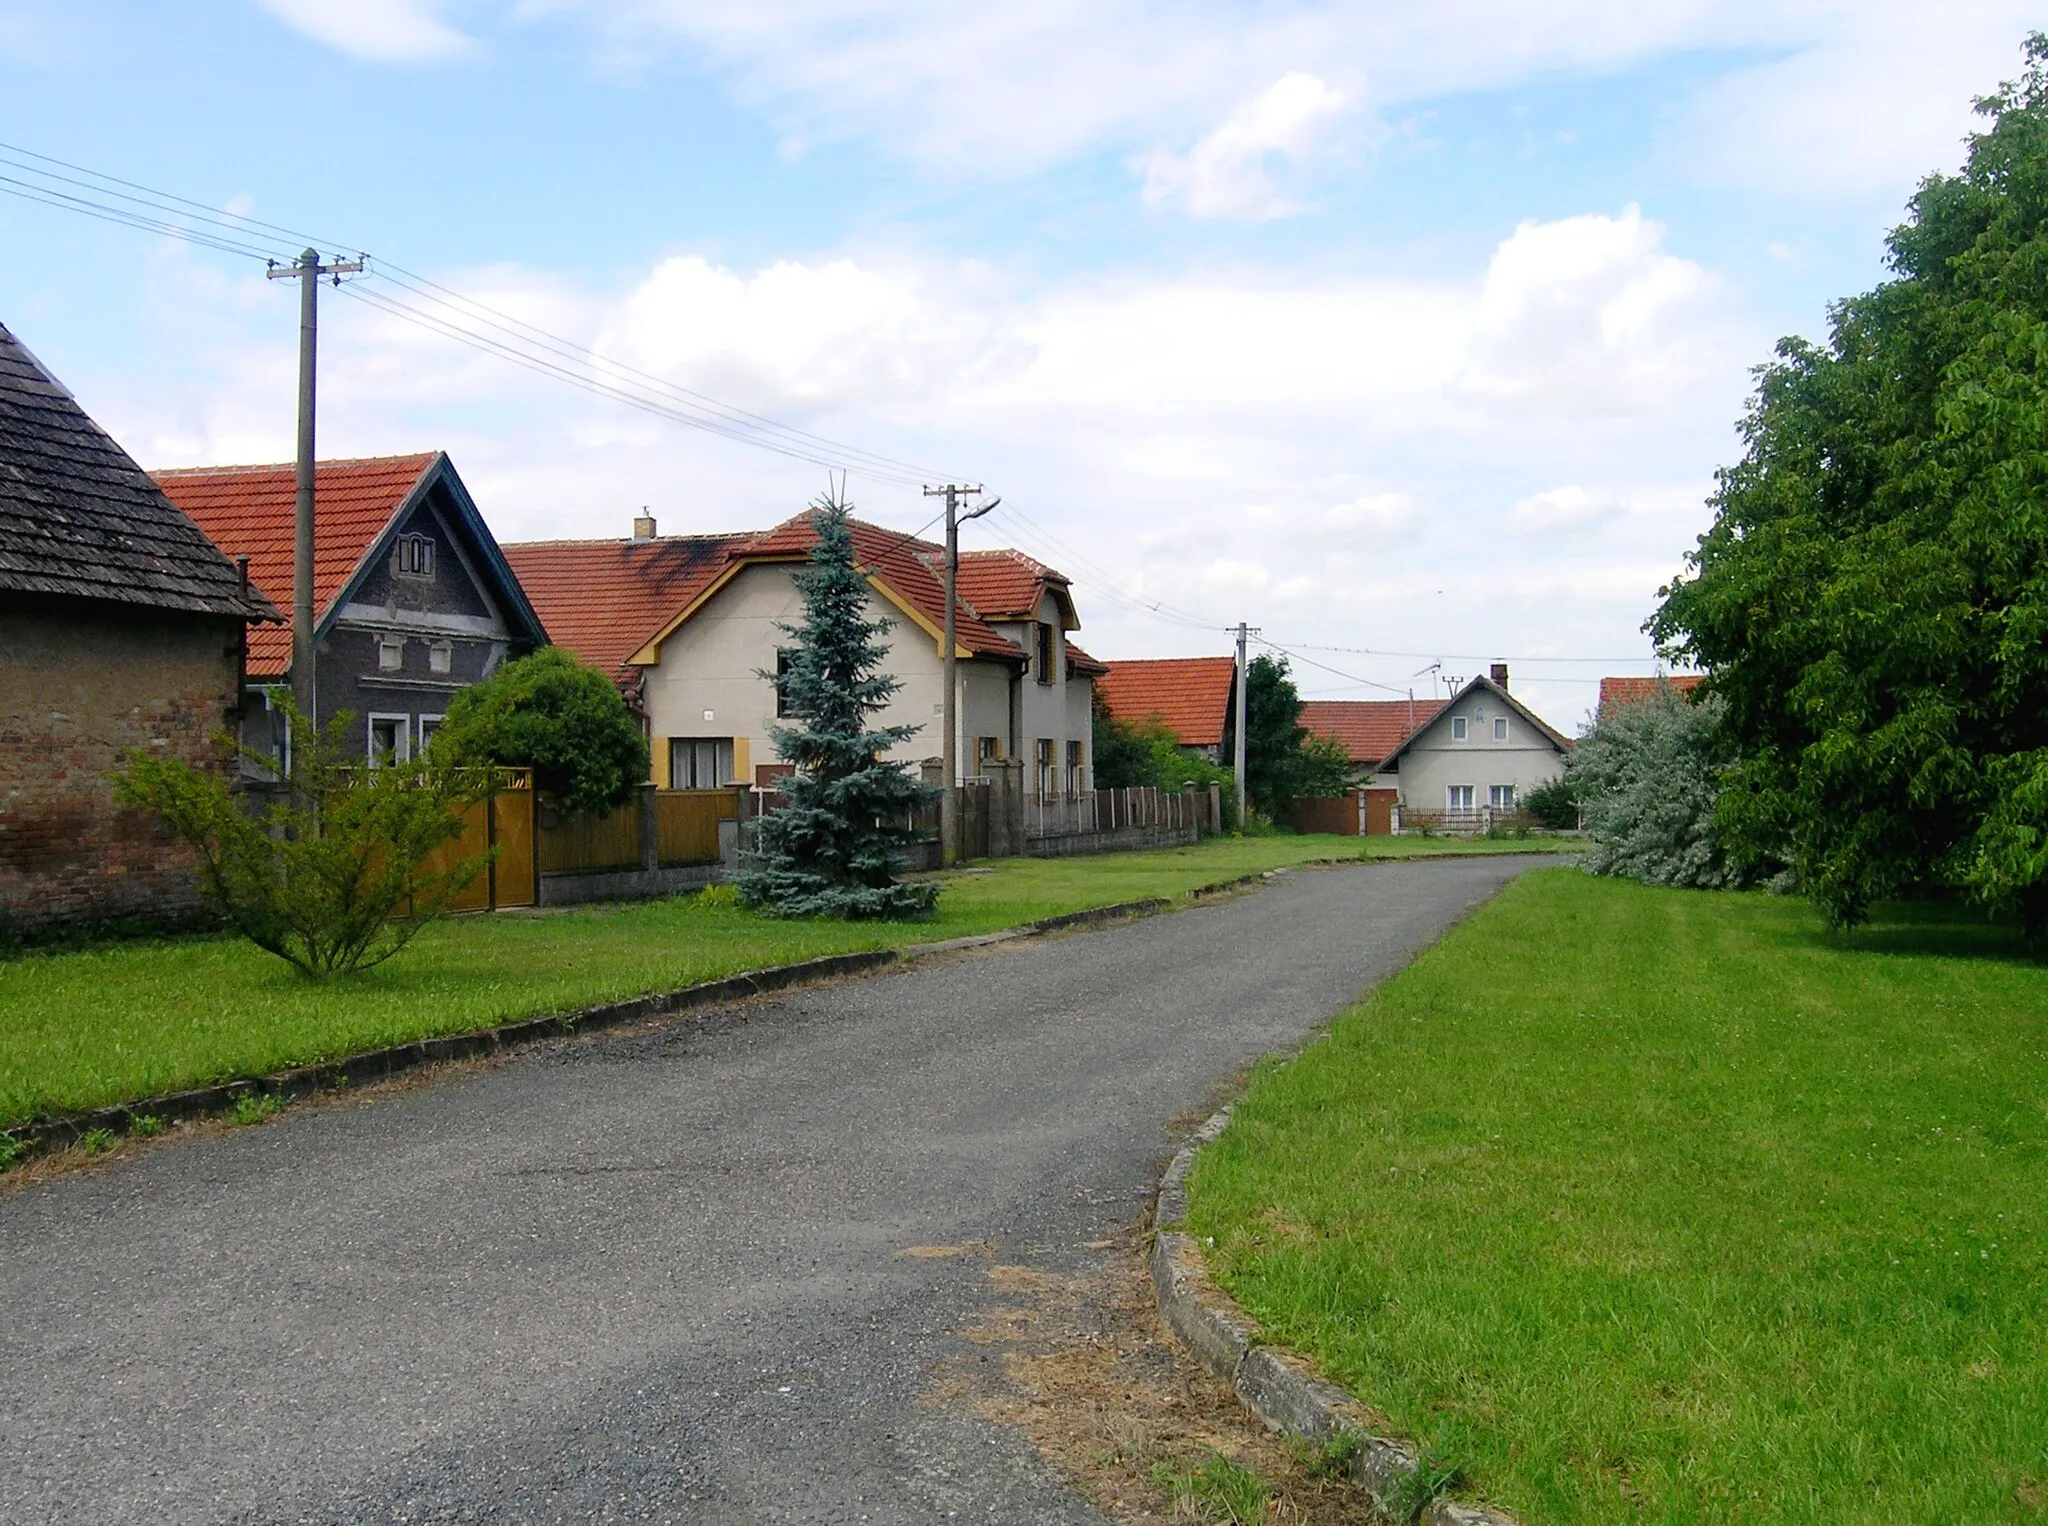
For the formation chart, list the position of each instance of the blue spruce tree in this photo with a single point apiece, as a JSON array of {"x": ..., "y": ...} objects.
[{"x": 828, "y": 849}]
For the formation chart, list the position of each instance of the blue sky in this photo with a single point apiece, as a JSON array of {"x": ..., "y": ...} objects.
[{"x": 1412, "y": 331}]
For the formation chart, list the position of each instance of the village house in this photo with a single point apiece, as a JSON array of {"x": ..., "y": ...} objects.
[
  {"x": 688, "y": 625},
  {"x": 1189, "y": 696},
  {"x": 122, "y": 629},
  {"x": 412, "y": 597},
  {"x": 1481, "y": 752}
]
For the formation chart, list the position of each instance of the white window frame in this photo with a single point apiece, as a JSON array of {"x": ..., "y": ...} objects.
[
  {"x": 402, "y": 730},
  {"x": 1494, "y": 800},
  {"x": 1458, "y": 728},
  {"x": 1452, "y": 794},
  {"x": 424, "y": 728}
]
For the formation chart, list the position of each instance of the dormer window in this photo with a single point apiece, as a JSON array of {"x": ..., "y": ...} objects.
[{"x": 413, "y": 558}]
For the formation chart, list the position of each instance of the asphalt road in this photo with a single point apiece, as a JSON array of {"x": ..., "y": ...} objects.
[{"x": 654, "y": 1277}]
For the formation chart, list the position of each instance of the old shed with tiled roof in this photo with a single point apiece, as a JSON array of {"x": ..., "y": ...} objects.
[
  {"x": 121, "y": 629},
  {"x": 1190, "y": 696}
]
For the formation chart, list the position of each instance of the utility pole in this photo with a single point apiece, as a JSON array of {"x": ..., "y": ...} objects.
[
  {"x": 949, "y": 748},
  {"x": 1243, "y": 682},
  {"x": 307, "y": 271}
]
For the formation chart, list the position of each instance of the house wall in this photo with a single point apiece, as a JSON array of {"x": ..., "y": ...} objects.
[
  {"x": 1433, "y": 761},
  {"x": 712, "y": 661},
  {"x": 82, "y": 683},
  {"x": 451, "y": 607},
  {"x": 1059, "y": 711}
]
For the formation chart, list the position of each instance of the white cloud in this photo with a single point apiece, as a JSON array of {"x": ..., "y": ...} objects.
[
  {"x": 1591, "y": 314},
  {"x": 1312, "y": 457},
  {"x": 1871, "y": 98},
  {"x": 1561, "y": 509},
  {"x": 1224, "y": 174},
  {"x": 1852, "y": 93},
  {"x": 386, "y": 31}
]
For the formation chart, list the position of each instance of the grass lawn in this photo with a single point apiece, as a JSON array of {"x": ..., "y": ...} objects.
[
  {"x": 1668, "y": 1206},
  {"x": 86, "y": 1029}
]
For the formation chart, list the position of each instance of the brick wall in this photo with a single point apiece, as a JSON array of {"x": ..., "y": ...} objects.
[{"x": 80, "y": 684}]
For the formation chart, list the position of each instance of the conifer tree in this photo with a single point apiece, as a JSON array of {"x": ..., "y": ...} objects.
[{"x": 828, "y": 849}]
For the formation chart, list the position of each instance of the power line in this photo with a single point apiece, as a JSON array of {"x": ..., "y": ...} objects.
[{"x": 144, "y": 208}]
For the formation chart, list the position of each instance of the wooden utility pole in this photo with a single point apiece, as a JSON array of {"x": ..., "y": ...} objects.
[
  {"x": 949, "y": 749},
  {"x": 307, "y": 272}
]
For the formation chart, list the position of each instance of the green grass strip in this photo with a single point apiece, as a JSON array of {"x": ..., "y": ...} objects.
[
  {"x": 92, "y": 1028},
  {"x": 1668, "y": 1206}
]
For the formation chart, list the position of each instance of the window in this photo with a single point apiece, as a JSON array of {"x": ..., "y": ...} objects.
[
  {"x": 1457, "y": 728},
  {"x": 390, "y": 739},
  {"x": 1500, "y": 728},
  {"x": 1048, "y": 669},
  {"x": 1501, "y": 796},
  {"x": 1075, "y": 767},
  {"x": 1458, "y": 797},
  {"x": 987, "y": 749},
  {"x": 782, "y": 706},
  {"x": 1042, "y": 750},
  {"x": 429, "y": 724},
  {"x": 699, "y": 762},
  {"x": 390, "y": 653},
  {"x": 413, "y": 557},
  {"x": 440, "y": 656},
  {"x": 265, "y": 734}
]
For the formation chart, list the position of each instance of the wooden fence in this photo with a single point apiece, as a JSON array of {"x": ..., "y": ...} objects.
[
  {"x": 656, "y": 829},
  {"x": 505, "y": 821}
]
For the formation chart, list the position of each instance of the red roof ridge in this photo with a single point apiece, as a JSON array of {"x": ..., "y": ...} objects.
[{"x": 421, "y": 456}]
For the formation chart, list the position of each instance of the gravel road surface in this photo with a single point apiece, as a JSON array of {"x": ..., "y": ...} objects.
[{"x": 656, "y": 1276}]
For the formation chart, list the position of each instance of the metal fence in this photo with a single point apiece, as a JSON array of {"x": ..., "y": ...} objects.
[
  {"x": 1472, "y": 823},
  {"x": 1109, "y": 810}
]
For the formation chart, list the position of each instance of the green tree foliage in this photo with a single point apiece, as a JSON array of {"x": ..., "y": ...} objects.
[
  {"x": 1872, "y": 599},
  {"x": 828, "y": 849},
  {"x": 1282, "y": 762},
  {"x": 550, "y": 713},
  {"x": 322, "y": 876},
  {"x": 1554, "y": 805},
  {"x": 1650, "y": 776},
  {"x": 1148, "y": 756}
]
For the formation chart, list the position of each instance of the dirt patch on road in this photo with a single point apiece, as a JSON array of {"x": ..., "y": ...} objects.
[{"x": 1093, "y": 1377}]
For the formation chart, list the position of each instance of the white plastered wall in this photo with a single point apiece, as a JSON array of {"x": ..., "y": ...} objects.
[{"x": 1434, "y": 762}]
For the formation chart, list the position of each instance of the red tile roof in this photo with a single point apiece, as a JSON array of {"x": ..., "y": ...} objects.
[
  {"x": 248, "y": 511},
  {"x": 605, "y": 599},
  {"x": 1633, "y": 691},
  {"x": 910, "y": 569},
  {"x": 1005, "y": 584},
  {"x": 1368, "y": 729},
  {"x": 1187, "y": 695},
  {"x": 1081, "y": 665}
]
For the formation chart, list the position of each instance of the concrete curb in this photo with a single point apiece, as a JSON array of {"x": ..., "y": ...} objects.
[
  {"x": 1280, "y": 1387},
  {"x": 44, "y": 1135}
]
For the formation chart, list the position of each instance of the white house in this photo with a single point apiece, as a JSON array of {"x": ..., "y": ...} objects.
[
  {"x": 1483, "y": 750},
  {"x": 689, "y": 626}
]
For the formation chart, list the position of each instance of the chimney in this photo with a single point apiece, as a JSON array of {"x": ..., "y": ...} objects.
[
  {"x": 643, "y": 525},
  {"x": 1500, "y": 671}
]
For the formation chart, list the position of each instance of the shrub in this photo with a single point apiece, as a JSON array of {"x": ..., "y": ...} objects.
[
  {"x": 321, "y": 878},
  {"x": 552, "y": 714},
  {"x": 1554, "y": 805},
  {"x": 1649, "y": 775}
]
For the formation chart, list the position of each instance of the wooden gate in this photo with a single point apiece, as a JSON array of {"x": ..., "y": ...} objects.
[{"x": 504, "y": 821}]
